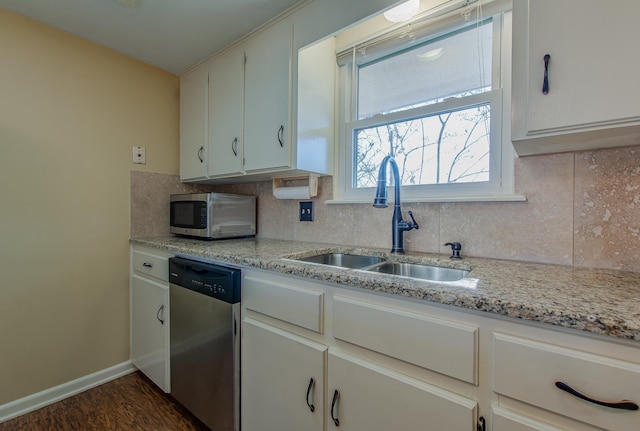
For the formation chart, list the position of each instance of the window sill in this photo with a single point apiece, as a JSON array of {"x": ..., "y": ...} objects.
[{"x": 455, "y": 199}]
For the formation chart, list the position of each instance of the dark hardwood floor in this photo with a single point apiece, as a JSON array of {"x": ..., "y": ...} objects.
[{"x": 131, "y": 402}]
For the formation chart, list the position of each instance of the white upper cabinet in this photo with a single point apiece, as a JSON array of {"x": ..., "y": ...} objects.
[
  {"x": 239, "y": 111},
  {"x": 314, "y": 125},
  {"x": 593, "y": 91},
  {"x": 226, "y": 100},
  {"x": 286, "y": 112},
  {"x": 267, "y": 98},
  {"x": 193, "y": 124}
]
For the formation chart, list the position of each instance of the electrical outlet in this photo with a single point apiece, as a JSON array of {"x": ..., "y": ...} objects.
[
  {"x": 139, "y": 155},
  {"x": 306, "y": 211}
]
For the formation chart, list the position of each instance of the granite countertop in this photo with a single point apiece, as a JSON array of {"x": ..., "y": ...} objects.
[{"x": 598, "y": 301}]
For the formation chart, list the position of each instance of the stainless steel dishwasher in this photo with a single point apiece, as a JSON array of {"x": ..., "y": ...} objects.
[{"x": 205, "y": 343}]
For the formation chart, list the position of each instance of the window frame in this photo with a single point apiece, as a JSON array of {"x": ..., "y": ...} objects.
[{"x": 500, "y": 186}]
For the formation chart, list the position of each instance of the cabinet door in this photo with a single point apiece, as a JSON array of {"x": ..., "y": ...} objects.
[
  {"x": 193, "y": 124},
  {"x": 277, "y": 387},
  {"x": 150, "y": 329},
  {"x": 267, "y": 140},
  {"x": 593, "y": 79},
  {"x": 365, "y": 396},
  {"x": 505, "y": 420},
  {"x": 315, "y": 125},
  {"x": 226, "y": 99}
]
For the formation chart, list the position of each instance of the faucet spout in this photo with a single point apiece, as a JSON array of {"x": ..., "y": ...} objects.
[{"x": 398, "y": 225}]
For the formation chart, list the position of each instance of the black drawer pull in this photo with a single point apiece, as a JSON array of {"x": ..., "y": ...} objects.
[
  {"x": 147, "y": 265},
  {"x": 281, "y": 136},
  {"x": 545, "y": 81},
  {"x": 234, "y": 147},
  {"x": 336, "y": 396},
  {"x": 311, "y": 384},
  {"x": 160, "y": 310},
  {"x": 621, "y": 405}
]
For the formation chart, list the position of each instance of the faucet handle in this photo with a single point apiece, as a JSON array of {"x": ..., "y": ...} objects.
[
  {"x": 455, "y": 249},
  {"x": 415, "y": 223}
]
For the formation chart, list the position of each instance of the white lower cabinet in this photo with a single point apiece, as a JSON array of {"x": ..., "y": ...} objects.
[
  {"x": 317, "y": 356},
  {"x": 596, "y": 389},
  {"x": 282, "y": 380},
  {"x": 366, "y": 396},
  {"x": 381, "y": 363},
  {"x": 150, "y": 329},
  {"x": 298, "y": 375},
  {"x": 149, "y": 286}
]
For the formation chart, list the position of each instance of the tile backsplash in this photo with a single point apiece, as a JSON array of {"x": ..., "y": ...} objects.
[
  {"x": 150, "y": 201},
  {"x": 607, "y": 209},
  {"x": 582, "y": 209}
]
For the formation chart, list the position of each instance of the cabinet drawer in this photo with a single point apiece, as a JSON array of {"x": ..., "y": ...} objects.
[
  {"x": 446, "y": 347},
  {"x": 151, "y": 264},
  {"x": 527, "y": 371},
  {"x": 297, "y": 305}
]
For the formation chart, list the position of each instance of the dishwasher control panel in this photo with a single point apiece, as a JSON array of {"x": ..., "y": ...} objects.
[{"x": 216, "y": 281}]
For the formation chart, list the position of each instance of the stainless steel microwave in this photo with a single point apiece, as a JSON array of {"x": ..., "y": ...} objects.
[{"x": 212, "y": 215}]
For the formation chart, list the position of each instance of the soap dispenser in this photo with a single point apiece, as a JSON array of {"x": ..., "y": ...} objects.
[{"x": 456, "y": 247}]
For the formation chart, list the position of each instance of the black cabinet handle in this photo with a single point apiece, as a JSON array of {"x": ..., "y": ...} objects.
[
  {"x": 147, "y": 265},
  {"x": 334, "y": 403},
  {"x": 311, "y": 385},
  {"x": 545, "y": 82},
  {"x": 234, "y": 147},
  {"x": 200, "y": 151},
  {"x": 281, "y": 136},
  {"x": 158, "y": 314},
  {"x": 620, "y": 405}
]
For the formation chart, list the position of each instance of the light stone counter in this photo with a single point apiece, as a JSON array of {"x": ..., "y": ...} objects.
[{"x": 598, "y": 301}]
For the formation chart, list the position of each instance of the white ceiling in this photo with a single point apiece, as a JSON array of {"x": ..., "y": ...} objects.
[{"x": 171, "y": 34}]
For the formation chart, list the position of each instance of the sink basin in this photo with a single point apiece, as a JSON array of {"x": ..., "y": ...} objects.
[
  {"x": 343, "y": 260},
  {"x": 380, "y": 265},
  {"x": 423, "y": 272}
]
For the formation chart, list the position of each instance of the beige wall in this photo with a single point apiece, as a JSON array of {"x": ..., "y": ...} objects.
[{"x": 70, "y": 111}]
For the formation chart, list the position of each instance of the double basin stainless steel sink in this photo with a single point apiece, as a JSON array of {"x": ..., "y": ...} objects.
[{"x": 382, "y": 266}]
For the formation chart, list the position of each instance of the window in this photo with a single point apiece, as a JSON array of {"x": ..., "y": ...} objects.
[{"x": 431, "y": 95}]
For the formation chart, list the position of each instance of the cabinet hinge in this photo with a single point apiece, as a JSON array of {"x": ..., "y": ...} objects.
[{"x": 482, "y": 426}]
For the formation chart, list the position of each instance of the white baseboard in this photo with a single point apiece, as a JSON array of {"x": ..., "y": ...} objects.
[{"x": 49, "y": 396}]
